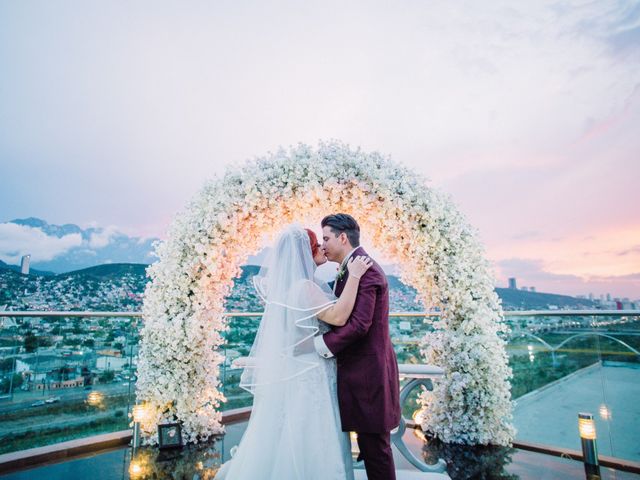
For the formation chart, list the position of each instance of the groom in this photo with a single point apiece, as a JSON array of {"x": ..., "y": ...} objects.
[{"x": 368, "y": 385}]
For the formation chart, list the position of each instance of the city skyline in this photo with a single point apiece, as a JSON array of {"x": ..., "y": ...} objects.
[
  {"x": 74, "y": 251},
  {"x": 115, "y": 114}
]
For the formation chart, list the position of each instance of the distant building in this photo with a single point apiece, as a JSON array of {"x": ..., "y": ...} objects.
[
  {"x": 36, "y": 367},
  {"x": 405, "y": 326},
  {"x": 532, "y": 289},
  {"x": 8, "y": 322},
  {"x": 109, "y": 352},
  {"x": 524, "y": 289},
  {"x": 608, "y": 297},
  {"x": 60, "y": 384},
  {"x": 24, "y": 264},
  {"x": 108, "y": 363},
  {"x": 512, "y": 283}
]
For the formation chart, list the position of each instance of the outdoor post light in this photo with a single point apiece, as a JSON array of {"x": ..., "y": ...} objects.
[
  {"x": 139, "y": 413},
  {"x": 587, "y": 428}
]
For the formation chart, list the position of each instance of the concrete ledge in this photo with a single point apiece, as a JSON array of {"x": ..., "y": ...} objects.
[
  {"x": 81, "y": 447},
  {"x": 13, "y": 461},
  {"x": 605, "y": 461}
]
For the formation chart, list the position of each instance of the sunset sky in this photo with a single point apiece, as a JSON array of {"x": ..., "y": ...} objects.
[{"x": 114, "y": 113}]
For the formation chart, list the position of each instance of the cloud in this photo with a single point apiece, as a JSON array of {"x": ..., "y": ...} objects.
[
  {"x": 19, "y": 240},
  {"x": 632, "y": 250},
  {"x": 102, "y": 238},
  {"x": 526, "y": 235},
  {"x": 532, "y": 272}
]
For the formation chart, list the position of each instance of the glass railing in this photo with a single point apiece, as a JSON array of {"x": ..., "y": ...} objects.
[
  {"x": 66, "y": 375},
  {"x": 567, "y": 363}
]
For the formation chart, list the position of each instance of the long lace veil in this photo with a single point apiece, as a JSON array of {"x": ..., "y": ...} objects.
[{"x": 293, "y": 298}]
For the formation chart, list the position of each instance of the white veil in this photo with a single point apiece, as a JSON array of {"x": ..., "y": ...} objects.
[
  {"x": 293, "y": 394},
  {"x": 293, "y": 298}
]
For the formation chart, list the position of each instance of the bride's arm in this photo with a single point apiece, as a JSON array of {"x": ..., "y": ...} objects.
[{"x": 338, "y": 314}]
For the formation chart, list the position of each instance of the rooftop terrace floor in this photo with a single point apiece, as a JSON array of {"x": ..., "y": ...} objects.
[
  {"x": 550, "y": 415},
  {"x": 201, "y": 462}
]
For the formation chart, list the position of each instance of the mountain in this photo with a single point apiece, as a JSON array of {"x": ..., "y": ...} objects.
[
  {"x": 513, "y": 299},
  {"x": 68, "y": 247},
  {"x": 120, "y": 286},
  {"x": 16, "y": 268},
  {"x": 109, "y": 271}
]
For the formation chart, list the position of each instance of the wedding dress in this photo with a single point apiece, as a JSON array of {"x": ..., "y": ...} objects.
[{"x": 294, "y": 431}]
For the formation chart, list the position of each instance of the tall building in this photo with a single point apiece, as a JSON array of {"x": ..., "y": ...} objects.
[
  {"x": 512, "y": 283},
  {"x": 24, "y": 264}
]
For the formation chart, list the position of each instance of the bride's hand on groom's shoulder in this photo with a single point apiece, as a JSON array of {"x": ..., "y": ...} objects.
[{"x": 358, "y": 265}]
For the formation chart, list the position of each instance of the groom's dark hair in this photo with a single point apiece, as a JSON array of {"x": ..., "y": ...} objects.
[{"x": 343, "y": 223}]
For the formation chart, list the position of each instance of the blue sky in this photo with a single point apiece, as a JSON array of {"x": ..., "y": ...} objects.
[{"x": 114, "y": 113}]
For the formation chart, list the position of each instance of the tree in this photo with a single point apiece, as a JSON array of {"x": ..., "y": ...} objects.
[
  {"x": 6, "y": 364},
  {"x": 5, "y": 383},
  {"x": 30, "y": 342},
  {"x": 107, "y": 377},
  {"x": 77, "y": 326}
]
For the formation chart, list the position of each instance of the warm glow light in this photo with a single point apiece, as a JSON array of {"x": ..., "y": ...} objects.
[
  {"x": 418, "y": 433},
  {"x": 418, "y": 416},
  {"x": 140, "y": 413},
  {"x": 586, "y": 426},
  {"x": 95, "y": 398},
  {"x": 135, "y": 469},
  {"x": 605, "y": 413}
]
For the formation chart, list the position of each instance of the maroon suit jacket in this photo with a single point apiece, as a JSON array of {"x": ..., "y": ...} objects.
[{"x": 368, "y": 384}]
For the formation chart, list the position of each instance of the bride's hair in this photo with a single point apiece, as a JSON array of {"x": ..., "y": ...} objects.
[{"x": 313, "y": 240}]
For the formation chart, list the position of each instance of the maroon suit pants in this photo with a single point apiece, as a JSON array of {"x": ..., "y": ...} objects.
[{"x": 375, "y": 450}]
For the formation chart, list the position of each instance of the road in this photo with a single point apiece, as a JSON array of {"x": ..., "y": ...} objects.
[{"x": 22, "y": 400}]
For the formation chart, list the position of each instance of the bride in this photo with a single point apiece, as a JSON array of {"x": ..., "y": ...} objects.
[{"x": 294, "y": 431}]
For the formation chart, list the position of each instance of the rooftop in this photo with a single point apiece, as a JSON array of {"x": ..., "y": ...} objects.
[{"x": 588, "y": 362}]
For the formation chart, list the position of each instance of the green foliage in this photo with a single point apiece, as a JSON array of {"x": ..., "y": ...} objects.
[
  {"x": 7, "y": 364},
  {"x": 30, "y": 342},
  {"x": 6, "y": 386},
  {"x": 107, "y": 377}
]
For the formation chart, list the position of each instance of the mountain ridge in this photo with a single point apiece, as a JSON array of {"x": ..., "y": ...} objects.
[{"x": 404, "y": 296}]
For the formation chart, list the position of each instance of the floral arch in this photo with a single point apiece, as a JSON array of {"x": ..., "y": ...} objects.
[{"x": 178, "y": 366}]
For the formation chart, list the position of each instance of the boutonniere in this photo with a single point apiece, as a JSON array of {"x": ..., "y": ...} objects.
[{"x": 340, "y": 275}]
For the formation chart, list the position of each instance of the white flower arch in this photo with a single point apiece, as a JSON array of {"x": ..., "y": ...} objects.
[{"x": 178, "y": 367}]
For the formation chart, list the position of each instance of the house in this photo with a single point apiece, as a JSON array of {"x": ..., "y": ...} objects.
[{"x": 110, "y": 362}]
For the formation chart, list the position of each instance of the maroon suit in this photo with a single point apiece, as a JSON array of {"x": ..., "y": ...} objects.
[{"x": 368, "y": 384}]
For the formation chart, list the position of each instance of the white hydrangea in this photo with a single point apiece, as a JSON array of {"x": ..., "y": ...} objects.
[{"x": 179, "y": 364}]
